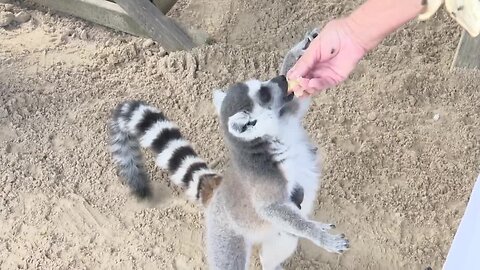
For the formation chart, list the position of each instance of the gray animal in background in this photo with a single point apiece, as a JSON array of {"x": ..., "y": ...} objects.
[{"x": 268, "y": 190}]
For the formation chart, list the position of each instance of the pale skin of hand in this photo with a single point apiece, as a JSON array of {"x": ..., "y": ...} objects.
[
  {"x": 342, "y": 43},
  {"x": 330, "y": 58}
]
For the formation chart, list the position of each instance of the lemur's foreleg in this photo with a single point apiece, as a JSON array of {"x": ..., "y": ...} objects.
[{"x": 287, "y": 218}]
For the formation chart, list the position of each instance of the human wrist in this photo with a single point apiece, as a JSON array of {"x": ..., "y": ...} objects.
[{"x": 376, "y": 19}]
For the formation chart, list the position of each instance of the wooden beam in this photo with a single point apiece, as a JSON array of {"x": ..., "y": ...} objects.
[
  {"x": 159, "y": 27},
  {"x": 98, "y": 11},
  {"x": 164, "y": 5},
  {"x": 467, "y": 54}
]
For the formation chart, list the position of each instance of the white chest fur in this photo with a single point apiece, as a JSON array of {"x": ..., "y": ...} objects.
[{"x": 298, "y": 162}]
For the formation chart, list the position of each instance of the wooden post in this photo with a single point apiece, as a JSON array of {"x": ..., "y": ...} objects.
[
  {"x": 159, "y": 27},
  {"x": 163, "y": 5},
  {"x": 467, "y": 54},
  {"x": 98, "y": 11}
]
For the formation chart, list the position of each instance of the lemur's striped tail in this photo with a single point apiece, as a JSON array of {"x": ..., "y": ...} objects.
[{"x": 135, "y": 124}]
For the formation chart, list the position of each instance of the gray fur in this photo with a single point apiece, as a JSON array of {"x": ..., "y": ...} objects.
[{"x": 126, "y": 151}]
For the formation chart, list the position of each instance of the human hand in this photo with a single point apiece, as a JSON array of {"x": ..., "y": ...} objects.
[{"x": 328, "y": 60}]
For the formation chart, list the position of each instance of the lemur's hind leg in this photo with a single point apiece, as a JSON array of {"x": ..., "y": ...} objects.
[
  {"x": 277, "y": 249},
  {"x": 226, "y": 250}
]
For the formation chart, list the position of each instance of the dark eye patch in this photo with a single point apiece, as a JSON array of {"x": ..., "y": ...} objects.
[{"x": 264, "y": 94}]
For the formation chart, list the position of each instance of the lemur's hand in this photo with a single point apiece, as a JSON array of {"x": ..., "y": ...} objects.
[
  {"x": 328, "y": 60},
  {"x": 330, "y": 242}
]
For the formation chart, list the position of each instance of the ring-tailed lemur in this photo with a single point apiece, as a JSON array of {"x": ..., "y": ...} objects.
[{"x": 268, "y": 190}]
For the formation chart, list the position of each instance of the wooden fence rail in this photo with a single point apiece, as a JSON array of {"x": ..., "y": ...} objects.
[
  {"x": 136, "y": 17},
  {"x": 468, "y": 52}
]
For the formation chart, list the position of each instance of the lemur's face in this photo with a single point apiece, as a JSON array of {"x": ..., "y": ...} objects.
[{"x": 253, "y": 109}]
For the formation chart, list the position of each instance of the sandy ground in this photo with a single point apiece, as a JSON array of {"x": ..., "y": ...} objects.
[{"x": 400, "y": 138}]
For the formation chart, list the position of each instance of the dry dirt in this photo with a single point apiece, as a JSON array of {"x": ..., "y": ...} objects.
[{"x": 400, "y": 138}]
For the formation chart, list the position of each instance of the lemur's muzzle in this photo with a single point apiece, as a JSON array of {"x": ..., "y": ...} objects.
[
  {"x": 281, "y": 81},
  {"x": 288, "y": 97}
]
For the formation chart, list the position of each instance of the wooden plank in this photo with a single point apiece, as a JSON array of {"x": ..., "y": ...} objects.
[
  {"x": 159, "y": 27},
  {"x": 467, "y": 54},
  {"x": 163, "y": 5},
  {"x": 98, "y": 11}
]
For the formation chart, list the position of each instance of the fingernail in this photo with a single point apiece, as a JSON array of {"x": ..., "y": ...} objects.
[{"x": 303, "y": 82}]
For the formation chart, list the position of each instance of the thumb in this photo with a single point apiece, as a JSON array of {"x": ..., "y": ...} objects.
[{"x": 323, "y": 48}]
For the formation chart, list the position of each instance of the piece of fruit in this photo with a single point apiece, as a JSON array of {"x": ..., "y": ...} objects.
[{"x": 292, "y": 84}]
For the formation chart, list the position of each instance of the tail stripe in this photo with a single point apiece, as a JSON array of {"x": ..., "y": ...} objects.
[
  {"x": 165, "y": 155},
  {"x": 194, "y": 168},
  {"x": 151, "y": 134},
  {"x": 177, "y": 177},
  {"x": 122, "y": 123},
  {"x": 117, "y": 144},
  {"x": 149, "y": 118},
  {"x": 178, "y": 156},
  {"x": 202, "y": 172},
  {"x": 164, "y": 138},
  {"x": 128, "y": 108},
  {"x": 194, "y": 189},
  {"x": 137, "y": 116}
]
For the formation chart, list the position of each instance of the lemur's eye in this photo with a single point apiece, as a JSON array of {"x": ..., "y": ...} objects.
[{"x": 264, "y": 94}]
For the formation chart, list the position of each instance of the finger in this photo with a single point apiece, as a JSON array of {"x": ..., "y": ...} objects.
[
  {"x": 297, "y": 88},
  {"x": 299, "y": 85},
  {"x": 301, "y": 68},
  {"x": 319, "y": 84},
  {"x": 298, "y": 93},
  {"x": 322, "y": 49},
  {"x": 306, "y": 61},
  {"x": 303, "y": 82},
  {"x": 327, "y": 73},
  {"x": 310, "y": 90}
]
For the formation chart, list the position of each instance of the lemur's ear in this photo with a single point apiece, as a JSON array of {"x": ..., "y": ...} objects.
[
  {"x": 218, "y": 97},
  {"x": 240, "y": 125}
]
